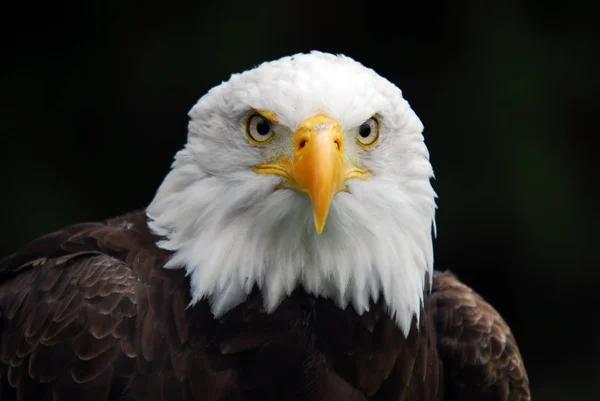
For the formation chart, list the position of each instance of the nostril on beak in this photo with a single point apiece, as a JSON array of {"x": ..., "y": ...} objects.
[{"x": 302, "y": 143}]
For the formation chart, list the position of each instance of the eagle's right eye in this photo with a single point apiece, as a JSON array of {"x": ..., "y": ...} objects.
[{"x": 259, "y": 129}]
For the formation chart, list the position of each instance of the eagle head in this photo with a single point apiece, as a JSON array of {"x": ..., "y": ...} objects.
[{"x": 307, "y": 171}]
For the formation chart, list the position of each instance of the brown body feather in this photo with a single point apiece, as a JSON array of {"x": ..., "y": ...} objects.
[{"x": 89, "y": 313}]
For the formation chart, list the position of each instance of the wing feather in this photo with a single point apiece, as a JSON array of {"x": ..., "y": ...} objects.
[
  {"x": 86, "y": 313},
  {"x": 480, "y": 355},
  {"x": 63, "y": 318}
]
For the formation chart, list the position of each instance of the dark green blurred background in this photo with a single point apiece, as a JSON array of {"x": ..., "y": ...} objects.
[{"x": 96, "y": 95}]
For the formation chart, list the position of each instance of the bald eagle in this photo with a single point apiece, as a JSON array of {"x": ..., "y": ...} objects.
[{"x": 287, "y": 255}]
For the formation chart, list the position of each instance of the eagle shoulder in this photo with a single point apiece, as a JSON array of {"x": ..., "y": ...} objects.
[
  {"x": 479, "y": 353},
  {"x": 66, "y": 328},
  {"x": 80, "y": 318}
]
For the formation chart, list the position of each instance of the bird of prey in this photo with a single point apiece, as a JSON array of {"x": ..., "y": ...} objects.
[{"x": 287, "y": 255}]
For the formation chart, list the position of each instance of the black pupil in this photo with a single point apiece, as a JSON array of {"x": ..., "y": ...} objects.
[
  {"x": 263, "y": 127},
  {"x": 364, "y": 130}
]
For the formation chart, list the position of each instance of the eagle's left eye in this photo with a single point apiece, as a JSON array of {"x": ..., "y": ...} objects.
[
  {"x": 259, "y": 130},
  {"x": 368, "y": 133}
]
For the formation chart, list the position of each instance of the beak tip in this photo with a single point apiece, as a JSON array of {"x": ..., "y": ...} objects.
[{"x": 320, "y": 225}]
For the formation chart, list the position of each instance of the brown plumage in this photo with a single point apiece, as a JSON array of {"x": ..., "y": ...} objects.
[{"x": 89, "y": 313}]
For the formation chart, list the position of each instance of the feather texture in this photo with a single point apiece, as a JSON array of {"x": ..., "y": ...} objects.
[{"x": 110, "y": 323}]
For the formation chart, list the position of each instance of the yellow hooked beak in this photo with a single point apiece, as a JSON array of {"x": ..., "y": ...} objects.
[{"x": 317, "y": 167}]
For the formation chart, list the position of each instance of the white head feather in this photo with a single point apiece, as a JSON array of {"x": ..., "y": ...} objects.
[{"x": 231, "y": 230}]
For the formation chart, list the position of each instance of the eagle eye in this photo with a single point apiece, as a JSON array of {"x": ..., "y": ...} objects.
[
  {"x": 368, "y": 133},
  {"x": 259, "y": 129}
]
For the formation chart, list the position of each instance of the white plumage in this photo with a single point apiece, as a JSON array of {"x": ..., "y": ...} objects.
[{"x": 232, "y": 229}]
